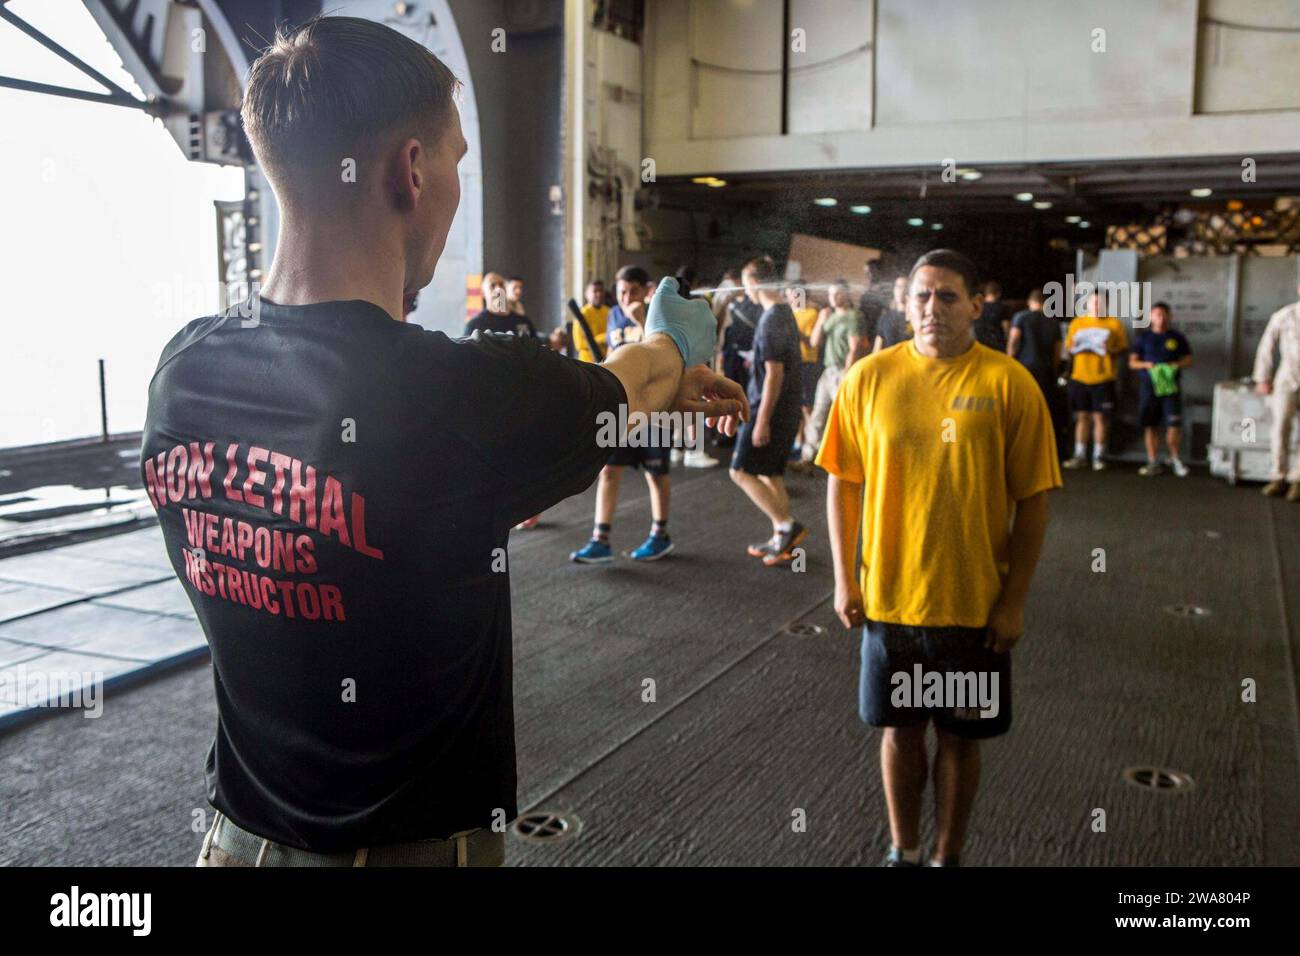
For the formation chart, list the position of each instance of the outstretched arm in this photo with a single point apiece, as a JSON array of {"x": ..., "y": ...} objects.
[{"x": 668, "y": 370}]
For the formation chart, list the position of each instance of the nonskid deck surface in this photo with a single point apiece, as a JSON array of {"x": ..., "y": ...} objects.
[{"x": 752, "y": 726}]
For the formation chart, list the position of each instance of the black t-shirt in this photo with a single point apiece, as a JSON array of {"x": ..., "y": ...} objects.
[
  {"x": 777, "y": 340},
  {"x": 510, "y": 323},
  {"x": 739, "y": 336},
  {"x": 893, "y": 328},
  {"x": 988, "y": 327},
  {"x": 352, "y": 481},
  {"x": 873, "y": 306},
  {"x": 1040, "y": 339}
]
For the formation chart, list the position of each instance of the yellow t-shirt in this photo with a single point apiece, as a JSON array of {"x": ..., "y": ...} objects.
[
  {"x": 597, "y": 318},
  {"x": 943, "y": 449},
  {"x": 806, "y": 319},
  {"x": 1094, "y": 343}
]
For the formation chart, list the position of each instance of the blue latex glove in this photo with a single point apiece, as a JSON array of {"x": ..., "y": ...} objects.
[{"x": 688, "y": 322}]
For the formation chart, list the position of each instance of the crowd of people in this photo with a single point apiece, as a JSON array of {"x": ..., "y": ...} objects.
[{"x": 791, "y": 344}]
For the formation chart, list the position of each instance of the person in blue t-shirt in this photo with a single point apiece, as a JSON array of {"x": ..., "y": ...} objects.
[
  {"x": 775, "y": 393},
  {"x": 625, "y": 326},
  {"x": 1160, "y": 354}
]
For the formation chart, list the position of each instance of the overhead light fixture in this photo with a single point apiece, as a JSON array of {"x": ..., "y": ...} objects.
[
  {"x": 1085, "y": 224},
  {"x": 1073, "y": 218},
  {"x": 916, "y": 222},
  {"x": 826, "y": 201},
  {"x": 1234, "y": 205},
  {"x": 936, "y": 226},
  {"x": 1042, "y": 204},
  {"x": 716, "y": 183},
  {"x": 1025, "y": 197},
  {"x": 860, "y": 210},
  {"x": 1201, "y": 192},
  {"x": 708, "y": 181},
  {"x": 970, "y": 175}
]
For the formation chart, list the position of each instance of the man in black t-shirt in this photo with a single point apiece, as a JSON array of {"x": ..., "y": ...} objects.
[
  {"x": 738, "y": 339},
  {"x": 497, "y": 315},
  {"x": 872, "y": 305},
  {"x": 775, "y": 394},
  {"x": 992, "y": 325},
  {"x": 335, "y": 487},
  {"x": 893, "y": 328},
  {"x": 1035, "y": 341}
]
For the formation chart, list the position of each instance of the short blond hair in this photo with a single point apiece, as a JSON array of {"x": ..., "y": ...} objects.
[{"x": 336, "y": 86}]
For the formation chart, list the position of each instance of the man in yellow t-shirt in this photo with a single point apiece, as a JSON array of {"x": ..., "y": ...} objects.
[
  {"x": 1095, "y": 342},
  {"x": 596, "y": 312},
  {"x": 941, "y": 451}
]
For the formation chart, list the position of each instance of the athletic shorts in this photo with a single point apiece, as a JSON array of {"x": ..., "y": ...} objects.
[
  {"x": 1154, "y": 410},
  {"x": 811, "y": 372},
  {"x": 654, "y": 459},
  {"x": 771, "y": 459},
  {"x": 1092, "y": 398},
  {"x": 896, "y": 689}
]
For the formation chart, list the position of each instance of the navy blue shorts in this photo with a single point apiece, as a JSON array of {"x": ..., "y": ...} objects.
[
  {"x": 654, "y": 459},
  {"x": 653, "y": 456},
  {"x": 771, "y": 459},
  {"x": 914, "y": 674},
  {"x": 1092, "y": 398},
  {"x": 1154, "y": 410}
]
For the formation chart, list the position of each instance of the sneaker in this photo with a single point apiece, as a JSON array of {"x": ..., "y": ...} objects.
[
  {"x": 1178, "y": 467},
  {"x": 762, "y": 549},
  {"x": 676, "y": 456},
  {"x": 1274, "y": 489},
  {"x": 1294, "y": 493},
  {"x": 652, "y": 548},
  {"x": 1098, "y": 465},
  {"x": 1073, "y": 463},
  {"x": 782, "y": 549},
  {"x": 895, "y": 858},
  {"x": 946, "y": 861},
  {"x": 1152, "y": 468},
  {"x": 529, "y": 524},
  {"x": 594, "y": 552},
  {"x": 699, "y": 458}
]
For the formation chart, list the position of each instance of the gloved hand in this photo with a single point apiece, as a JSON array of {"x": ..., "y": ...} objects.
[{"x": 688, "y": 322}]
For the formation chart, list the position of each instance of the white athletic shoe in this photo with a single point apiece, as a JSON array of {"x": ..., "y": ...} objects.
[
  {"x": 1179, "y": 468},
  {"x": 1150, "y": 469},
  {"x": 676, "y": 456},
  {"x": 1075, "y": 462},
  {"x": 1098, "y": 465},
  {"x": 699, "y": 458}
]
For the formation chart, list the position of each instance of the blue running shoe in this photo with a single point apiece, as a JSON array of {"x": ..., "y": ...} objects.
[
  {"x": 593, "y": 552},
  {"x": 652, "y": 548}
]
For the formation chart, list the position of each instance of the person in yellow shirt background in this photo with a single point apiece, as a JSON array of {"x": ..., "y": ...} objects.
[
  {"x": 596, "y": 312},
  {"x": 1094, "y": 343},
  {"x": 940, "y": 452},
  {"x": 805, "y": 317}
]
